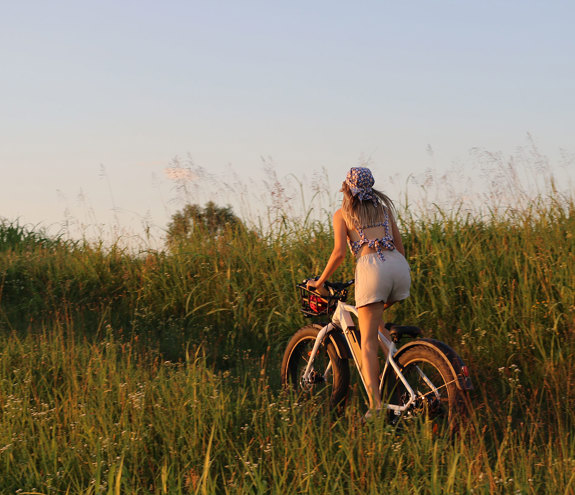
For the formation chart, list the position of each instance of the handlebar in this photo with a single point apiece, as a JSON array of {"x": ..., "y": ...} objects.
[
  {"x": 315, "y": 304},
  {"x": 339, "y": 286}
]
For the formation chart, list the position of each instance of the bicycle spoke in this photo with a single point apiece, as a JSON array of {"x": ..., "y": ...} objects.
[{"x": 445, "y": 385}]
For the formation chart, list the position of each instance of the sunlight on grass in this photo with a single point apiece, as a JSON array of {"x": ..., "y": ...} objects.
[{"x": 158, "y": 372}]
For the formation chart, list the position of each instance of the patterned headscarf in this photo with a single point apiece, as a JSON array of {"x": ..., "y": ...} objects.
[{"x": 360, "y": 182}]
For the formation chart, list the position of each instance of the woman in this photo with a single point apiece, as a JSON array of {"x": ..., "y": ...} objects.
[{"x": 365, "y": 220}]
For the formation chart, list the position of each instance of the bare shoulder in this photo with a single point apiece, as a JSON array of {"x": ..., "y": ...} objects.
[{"x": 338, "y": 222}]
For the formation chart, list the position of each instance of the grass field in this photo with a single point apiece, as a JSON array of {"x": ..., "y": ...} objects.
[{"x": 158, "y": 372}]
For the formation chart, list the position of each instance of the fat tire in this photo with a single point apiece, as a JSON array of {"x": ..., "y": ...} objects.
[
  {"x": 293, "y": 366},
  {"x": 449, "y": 410}
]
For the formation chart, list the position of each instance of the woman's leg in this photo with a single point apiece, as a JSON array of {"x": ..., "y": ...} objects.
[
  {"x": 384, "y": 330},
  {"x": 370, "y": 317}
]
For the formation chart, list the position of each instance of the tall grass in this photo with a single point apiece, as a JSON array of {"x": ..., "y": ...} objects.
[
  {"x": 157, "y": 372},
  {"x": 108, "y": 417}
]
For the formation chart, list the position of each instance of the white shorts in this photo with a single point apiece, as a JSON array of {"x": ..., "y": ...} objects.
[{"x": 381, "y": 281}]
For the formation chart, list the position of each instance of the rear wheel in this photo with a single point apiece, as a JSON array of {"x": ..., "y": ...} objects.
[
  {"x": 437, "y": 398},
  {"x": 329, "y": 375}
]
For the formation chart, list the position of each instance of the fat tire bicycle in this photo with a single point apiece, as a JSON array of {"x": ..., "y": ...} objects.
[{"x": 424, "y": 378}]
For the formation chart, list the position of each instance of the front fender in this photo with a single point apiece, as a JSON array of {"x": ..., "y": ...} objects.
[{"x": 337, "y": 339}]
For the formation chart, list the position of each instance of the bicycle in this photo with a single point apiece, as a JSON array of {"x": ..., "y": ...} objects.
[{"x": 422, "y": 378}]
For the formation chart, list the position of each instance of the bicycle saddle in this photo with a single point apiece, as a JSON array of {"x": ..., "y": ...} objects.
[{"x": 399, "y": 331}]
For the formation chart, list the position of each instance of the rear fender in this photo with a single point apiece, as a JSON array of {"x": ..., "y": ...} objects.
[{"x": 455, "y": 363}]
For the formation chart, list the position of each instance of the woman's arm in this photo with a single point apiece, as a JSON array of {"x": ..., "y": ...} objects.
[
  {"x": 338, "y": 253},
  {"x": 396, "y": 236}
]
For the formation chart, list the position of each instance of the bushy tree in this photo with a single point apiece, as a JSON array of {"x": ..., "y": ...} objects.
[{"x": 211, "y": 221}]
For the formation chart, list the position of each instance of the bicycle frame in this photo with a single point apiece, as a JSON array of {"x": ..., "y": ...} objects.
[{"x": 342, "y": 320}]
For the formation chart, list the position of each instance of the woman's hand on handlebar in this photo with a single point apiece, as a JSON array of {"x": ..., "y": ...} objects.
[{"x": 320, "y": 288}]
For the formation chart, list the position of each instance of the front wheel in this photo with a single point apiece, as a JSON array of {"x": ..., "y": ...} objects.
[
  {"x": 437, "y": 397},
  {"x": 329, "y": 375}
]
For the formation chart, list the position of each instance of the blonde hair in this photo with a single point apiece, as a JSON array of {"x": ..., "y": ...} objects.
[{"x": 364, "y": 214}]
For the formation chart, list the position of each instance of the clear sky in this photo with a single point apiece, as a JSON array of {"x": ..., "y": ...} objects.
[{"x": 98, "y": 97}]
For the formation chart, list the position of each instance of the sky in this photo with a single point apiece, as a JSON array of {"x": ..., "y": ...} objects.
[{"x": 98, "y": 100}]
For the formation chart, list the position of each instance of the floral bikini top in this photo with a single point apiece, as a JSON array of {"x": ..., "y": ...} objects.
[{"x": 379, "y": 244}]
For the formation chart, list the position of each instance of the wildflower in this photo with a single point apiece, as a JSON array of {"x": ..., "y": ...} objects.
[{"x": 177, "y": 173}]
